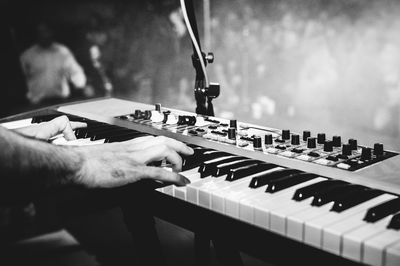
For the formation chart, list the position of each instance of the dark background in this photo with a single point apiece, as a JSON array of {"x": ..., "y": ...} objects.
[{"x": 329, "y": 66}]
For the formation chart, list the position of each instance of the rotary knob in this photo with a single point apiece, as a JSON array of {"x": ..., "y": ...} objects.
[
  {"x": 353, "y": 144},
  {"x": 137, "y": 114},
  {"x": 157, "y": 107},
  {"x": 147, "y": 114},
  {"x": 268, "y": 139},
  {"x": 295, "y": 139},
  {"x": 285, "y": 134},
  {"x": 232, "y": 133},
  {"x": 366, "y": 154},
  {"x": 311, "y": 143},
  {"x": 321, "y": 138},
  {"x": 378, "y": 149},
  {"x": 257, "y": 142},
  {"x": 306, "y": 135},
  {"x": 233, "y": 123},
  {"x": 337, "y": 141},
  {"x": 346, "y": 149},
  {"x": 328, "y": 146}
]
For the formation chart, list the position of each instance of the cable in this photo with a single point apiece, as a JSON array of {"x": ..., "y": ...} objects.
[{"x": 195, "y": 44}]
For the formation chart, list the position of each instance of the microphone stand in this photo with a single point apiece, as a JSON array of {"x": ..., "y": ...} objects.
[{"x": 204, "y": 93}]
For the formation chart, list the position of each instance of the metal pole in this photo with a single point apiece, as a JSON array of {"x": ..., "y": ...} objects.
[{"x": 207, "y": 24}]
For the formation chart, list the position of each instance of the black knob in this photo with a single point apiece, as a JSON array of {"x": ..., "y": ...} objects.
[
  {"x": 353, "y": 144},
  {"x": 346, "y": 149},
  {"x": 138, "y": 114},
  {"x": 311, "y": 143},
  {"x": 232, "y": 133},
  {"x": 166, "y": 114},
  {"x": 328, "y": 146},
  {"x": 147, "y": 114},
  {"x": 233, "y": 123},
  {"x": 366, "y": 154},
  {"x": 337, "y": 141},
  {"x": 268, "y": 139},
  {"x": 378, "y": 149},
  {"x": 295, "y": 139},
  {"x": 257, "y": 142},
  {"x": 321, "y": 138},
  {"x": 306, "y": 135},
  {"x": 285, "y": 134},
  {"x": 158, "y": 107}
]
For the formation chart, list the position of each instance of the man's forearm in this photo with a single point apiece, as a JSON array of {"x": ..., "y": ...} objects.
[{"x": 25, "y": 161}]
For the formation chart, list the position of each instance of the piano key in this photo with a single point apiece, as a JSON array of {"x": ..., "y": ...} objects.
[
  {"x": 352, "y": 240},
  {"x": 208, "y": 168},
  {"x": 288, "y": 181},
  {"x": 395, "y": 222},
  {"x": 378, "y": 212},
  {"x": 313, "y": 228},
  {"x": 374, "y": 247},
  {"x": 249, "y": 169},
  {"x": 226, "y": 168},
  {"x": 17, "y": 124},
  {"x": 199, "y": 156},
  {"x": 225, "y": 199},
  {"x": 109, "y": 133},
  {"x": 125, "y": 137},
  {"x": 310, "y": 191},
  {"x": 348, "y": 202},
  {"x": 242, "y": 203},
  {"x": 335, "y": 193},
  {"x": 392, "y": 255},
  {"x": 263, "y": 180},
  {"x": 263, "y": 208}
]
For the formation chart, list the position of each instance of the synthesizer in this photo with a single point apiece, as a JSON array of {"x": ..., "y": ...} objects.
[{"x": 326, "y": 192}]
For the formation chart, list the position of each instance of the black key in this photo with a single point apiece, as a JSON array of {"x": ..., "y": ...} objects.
[
  {"x": 382, "y": 210},
  {"x": 311, "y": 190},
  {"x": 225, "y": 168},
  {"x": 88, "y": 132},
  {"x": 264, "y": 179},
  {"x": 353, "y": 200},
  {"x": 109, "y": 133},
  {"x": 288, "y": 181},
  {"x": 335, "y": 193},
  {"x": 247, "y": 170},
  {"x": 210, "y": 167},
  {"x": 395, "y": 222},
  {"x": 200, "y": 156},
  {"x": 125, "y": 137}
]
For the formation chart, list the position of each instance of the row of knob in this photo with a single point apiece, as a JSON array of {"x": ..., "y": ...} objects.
[{"x": 328, "y": 145}]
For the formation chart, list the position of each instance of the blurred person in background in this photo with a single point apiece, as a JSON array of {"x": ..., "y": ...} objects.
[{"x": 49, "y": 67}]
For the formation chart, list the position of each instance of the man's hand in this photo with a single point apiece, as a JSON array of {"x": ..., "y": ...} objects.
[
  {"x": 47, "y": 130},
  {"x": 118, "y": 164}
]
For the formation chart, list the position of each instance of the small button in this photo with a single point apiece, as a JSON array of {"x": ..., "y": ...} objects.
[{"x": 314, "y": 154}]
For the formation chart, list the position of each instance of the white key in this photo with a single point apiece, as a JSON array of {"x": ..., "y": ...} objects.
[
  {"x": 233, "y": 187},
  {"x": 332, "y": 233},
  {"x": 278, "y": 216},
  {"x": 193, "y": 189},
  {"x": 314, "y": 227},
  {"x": 17, "y": 124},
  {"x": 352, "y": 241},
  {"x": 374, "y": 248},
  {"x": 392, "y": 256},
  {"x": 193, "y": 175},
  {"x": 246, "y": 210}
]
